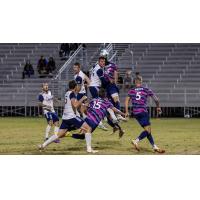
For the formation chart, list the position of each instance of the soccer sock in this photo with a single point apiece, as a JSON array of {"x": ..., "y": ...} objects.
[
  {"x": 78, "y": 136},
  {"x": 117, "y": 105},
  {"x": 110, "y": 122},
  {"x": 150, "y": 138},
  {"x": 56, "y": 129},
  {"x": 84, "y": 115},
  {"x": 88, "y": 138},
  {"x": 48, "y": 128},
  {"x": 50, "y": 140},
  {"x": 100, "y": 123},
  {"x": 142, "y": 136}
]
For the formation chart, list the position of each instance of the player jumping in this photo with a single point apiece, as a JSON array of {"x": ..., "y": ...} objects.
[
  {"x": 111, "y": 76},
  {"x": 139, "y": 95},
  {"x": 46, "y": 102}
]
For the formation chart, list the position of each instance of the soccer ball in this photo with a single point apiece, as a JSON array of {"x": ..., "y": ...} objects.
[{"x": 187, "y": 116}]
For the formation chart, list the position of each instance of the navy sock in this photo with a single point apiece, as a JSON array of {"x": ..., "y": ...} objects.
[
  {"x": 78, "y": 136},
  {"x": 150, "y": 138},
  {"x": 143, "y": 135},
  {"x": 110, "y": 122},
  {"x": 117, "y": 105}
]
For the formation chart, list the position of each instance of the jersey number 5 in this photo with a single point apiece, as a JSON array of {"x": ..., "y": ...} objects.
[{"x": 138, "y": 96}]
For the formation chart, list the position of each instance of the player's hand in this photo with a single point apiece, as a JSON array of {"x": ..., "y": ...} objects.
[
  {"x": 159, "y": 111},
  {"x": 126, "y": 114},
  {"x": 84, "y": 98}
]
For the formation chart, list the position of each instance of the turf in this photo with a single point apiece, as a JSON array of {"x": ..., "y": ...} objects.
[{"x": 176, "y": 136}]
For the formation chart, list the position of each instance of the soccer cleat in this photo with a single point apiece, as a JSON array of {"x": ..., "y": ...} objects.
[
  {"x": 101, "y": 126},
  {"x": 135, "y": 144},
  {"x": 120, "y": 118},
  {"x": 115, "y": 129},
  {"x": 56, "y": 141},
  {"x": 92, "y": 151},
  {"x": 158, "y": 150},
  {"x": 121, "y": 133},
  {"x": 40, "y": 147}
]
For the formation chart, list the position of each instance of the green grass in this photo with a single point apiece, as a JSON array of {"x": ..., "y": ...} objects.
[{"x": 176, "y": 136}]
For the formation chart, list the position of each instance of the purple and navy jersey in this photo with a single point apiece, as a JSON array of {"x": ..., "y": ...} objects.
[
  {"x": 139, "y": 97},
  {"x": 97, "y": 109},
  {"x": 110, "y": 71}
]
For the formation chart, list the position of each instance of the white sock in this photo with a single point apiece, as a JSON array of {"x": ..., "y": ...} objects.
[
  {"x": 88, "y": 139},
  {"x": 48, "y": 128},
  {"x": 137, "y": 140},
  {"x": 77, "y": 113},
  {"x": 50, "y": 140},
  {"x": 84, "y": 115},
  {"x": 100, "y": 123},
  {"x": 56, "y": 129}
]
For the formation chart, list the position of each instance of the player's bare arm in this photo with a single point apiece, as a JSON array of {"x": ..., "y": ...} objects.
[
  {"x": 116, "y": 76},
  {"x": 127, "y": 100},
  {"x": 76, "y": 103}
]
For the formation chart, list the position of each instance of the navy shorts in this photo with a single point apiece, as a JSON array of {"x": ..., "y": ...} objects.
[
  {"x": 143, "y": 119},
  {"x": 94, "y": 91},
  {"x": 91, "y": 123},
  {"x": 52, "y": 116},
  {"x": 112, "y": 89},
  {"x": 80, "y": 95},
  {"x": 71, "y": 124}
]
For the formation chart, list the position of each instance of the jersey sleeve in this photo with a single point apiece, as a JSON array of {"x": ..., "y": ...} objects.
[
  {"x": 40, "y": 98},
  {"x": 100, "y": 73},
  {"x": 72, "y": 96},
  {"x": 79, "y": 80},
  {"x": 152, "y": 94}
]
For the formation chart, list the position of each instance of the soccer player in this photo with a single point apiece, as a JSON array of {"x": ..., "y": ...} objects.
[
  {"x": 97, "y": 109},
  {"x": 139, "y": 95},
  {"x": 46, "y": 102},
  {"x": 97, "y": 80},
  {"x": 80, "y": 79},
  {"x": 111, "y": 76},
  {"x": 69, "y": 119}
]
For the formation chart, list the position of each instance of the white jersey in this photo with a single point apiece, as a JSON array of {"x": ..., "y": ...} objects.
[
  {"x": 95, "y": 77},
  {"x": 80, "y": 79},
  {"x": 47, "y": 100},
  {"x": 68, "y": 112}
]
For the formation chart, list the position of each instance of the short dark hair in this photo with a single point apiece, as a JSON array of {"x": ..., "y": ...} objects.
[
  {"x": 102, "y": 58},
  {"x": 72, "y": 84},
  {"x": 137, "y": 73},
  {"x": 102, "y": 93},
  {"x": 77, "y": 64}
]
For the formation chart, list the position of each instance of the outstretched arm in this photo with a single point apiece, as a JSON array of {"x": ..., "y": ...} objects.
[{"x": 127, "y": 100}]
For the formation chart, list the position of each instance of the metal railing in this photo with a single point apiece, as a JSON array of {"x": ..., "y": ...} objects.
[{"x": 66, "y": 65}]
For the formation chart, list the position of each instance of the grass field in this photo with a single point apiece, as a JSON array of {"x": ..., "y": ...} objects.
[{"x": 176, "y": 136}]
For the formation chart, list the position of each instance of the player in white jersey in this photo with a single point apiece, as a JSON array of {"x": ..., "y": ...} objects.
[
  {"x": 69, "y": 119},
  {"x": 80, "y": 78},
  {"x": 97, "y": 80},
  {"x": 46, "y": 102}
]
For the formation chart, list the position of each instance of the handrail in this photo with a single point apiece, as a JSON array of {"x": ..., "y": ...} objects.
[{"x": 68, "y": 61}]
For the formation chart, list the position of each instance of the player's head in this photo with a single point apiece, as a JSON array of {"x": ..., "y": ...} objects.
[
  {"x": 102, "y": 93},
  {"x": 45, "y": 87},
  {"x": 102, "y": 61},
  {"x": 77, "y": 67},
  {"x": 138, "y": 80},
  {"x": 72, "y": 85}
]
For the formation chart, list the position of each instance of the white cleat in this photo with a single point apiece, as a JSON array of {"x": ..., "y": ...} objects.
[
  {"x": 40, "y": 147},
  {"x": 120, "y": 118},
  {"x": 92, "y": 151},
  {"x": 135, "y": 144},
  {"x": 101, "y": 126}
]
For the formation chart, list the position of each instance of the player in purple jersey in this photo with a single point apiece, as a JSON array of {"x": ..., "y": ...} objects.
[
  {"x": 97, "y": 109},
  {"x": 111, "y": 77},
  {"x": 139, "y": 96}
]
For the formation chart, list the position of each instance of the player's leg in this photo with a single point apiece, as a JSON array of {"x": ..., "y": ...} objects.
[
  {"x": 143, "y": 120},
  {"x": 49, "y": 125},
  {"x": 88, "y": 127},
  {"x": 151, "y": 140}
]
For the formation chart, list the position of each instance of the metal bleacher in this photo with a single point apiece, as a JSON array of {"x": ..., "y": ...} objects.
[{"x": 171, "y": 70}]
